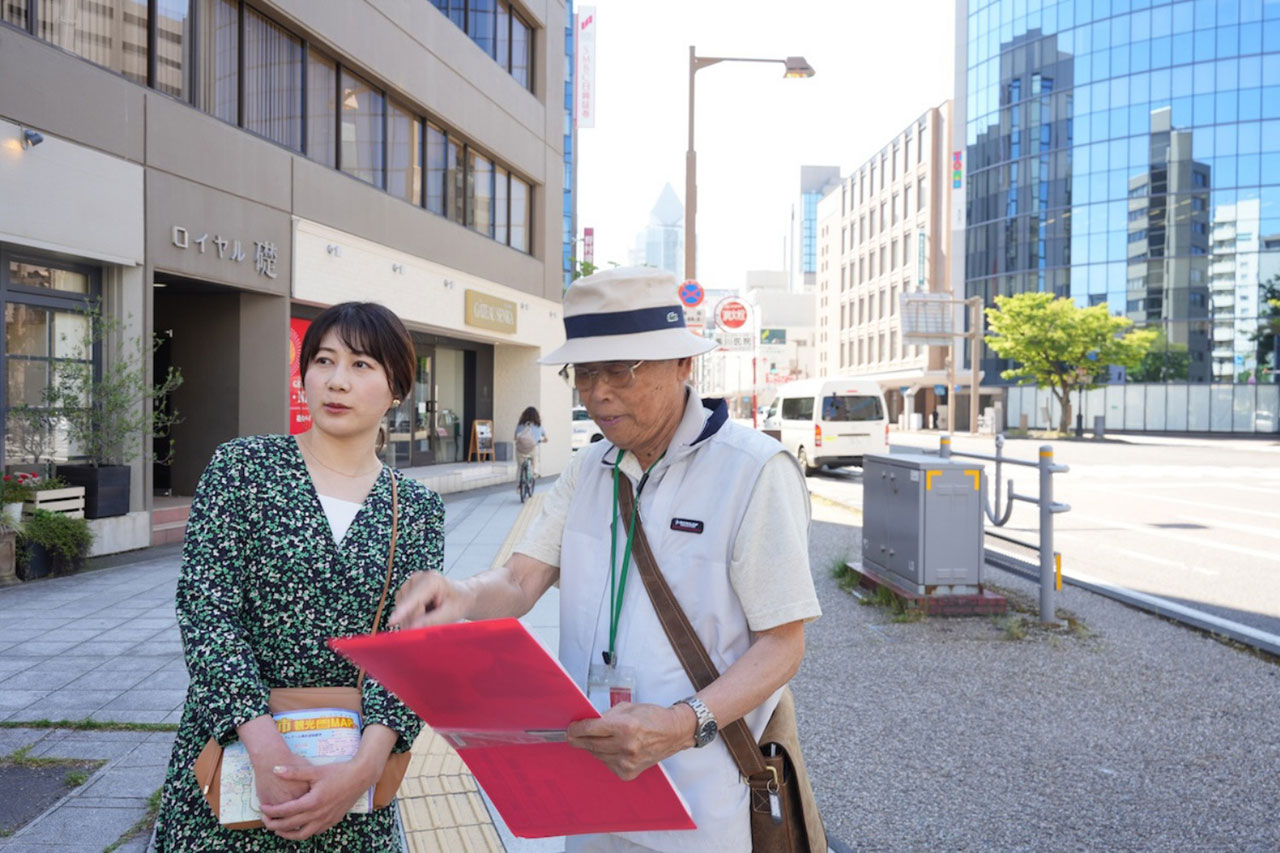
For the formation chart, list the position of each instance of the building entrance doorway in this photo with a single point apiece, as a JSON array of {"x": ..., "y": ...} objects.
[{"x": 427, "y": 427}]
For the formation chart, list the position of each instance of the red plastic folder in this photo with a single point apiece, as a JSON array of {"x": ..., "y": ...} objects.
[{"x": 503, "y": 703}]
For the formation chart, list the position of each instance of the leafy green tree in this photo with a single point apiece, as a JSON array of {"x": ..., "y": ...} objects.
[
  {"x": 1060, "y": 346},
  {"x": 1164, "y": 362},
  {"x": 1267, "y": 336}
]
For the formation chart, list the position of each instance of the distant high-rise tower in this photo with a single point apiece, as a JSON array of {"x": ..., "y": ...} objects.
[
  {"x": 661, "y": 243},
  {"x": 815, "y": 182}
]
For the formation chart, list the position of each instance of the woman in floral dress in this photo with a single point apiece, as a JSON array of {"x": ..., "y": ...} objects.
[{"x": 286, "y": 546}]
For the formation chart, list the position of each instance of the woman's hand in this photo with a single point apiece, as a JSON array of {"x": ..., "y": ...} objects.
[
  {"x": 267, "y": 750},
  {"x": 333, "y": 788}
]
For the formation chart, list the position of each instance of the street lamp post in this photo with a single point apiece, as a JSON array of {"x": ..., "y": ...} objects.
[{"x": 796, "y": 66}]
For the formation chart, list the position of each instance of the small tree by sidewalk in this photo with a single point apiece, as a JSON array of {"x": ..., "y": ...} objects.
[{"x": 1060, "y": 346}]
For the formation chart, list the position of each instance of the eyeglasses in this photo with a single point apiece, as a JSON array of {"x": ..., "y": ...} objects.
[{"x": 616, "y": 374}]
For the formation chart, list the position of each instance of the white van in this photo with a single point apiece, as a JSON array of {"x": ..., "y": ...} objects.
[{"x": 830, "y": 422}]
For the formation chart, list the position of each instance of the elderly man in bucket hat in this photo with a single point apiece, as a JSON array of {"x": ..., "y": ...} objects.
[{"x": 726, "y": 512}]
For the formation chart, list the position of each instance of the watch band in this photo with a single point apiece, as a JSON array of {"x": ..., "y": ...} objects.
[{"x": 705, "y": 731}]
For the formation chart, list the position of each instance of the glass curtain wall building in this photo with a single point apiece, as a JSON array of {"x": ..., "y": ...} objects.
[{"x": 1127, "y": 153}]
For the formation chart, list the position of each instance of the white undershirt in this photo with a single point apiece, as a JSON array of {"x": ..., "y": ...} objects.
[{"x": 340, "y": 514}]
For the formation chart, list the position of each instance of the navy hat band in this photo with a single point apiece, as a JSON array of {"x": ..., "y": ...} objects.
[{"x": 624, "y": 322}]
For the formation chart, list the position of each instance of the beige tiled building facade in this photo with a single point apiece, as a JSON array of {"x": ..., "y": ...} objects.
[
  {"x": 217, "y": 172},
  {"x": 884, "y": 232}
]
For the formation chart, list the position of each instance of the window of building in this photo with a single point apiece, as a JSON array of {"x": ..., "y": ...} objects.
[
  {"x": 521, "y": 51},
  {"x": 884, "y": 216},
  {"x": 521, "y": 198},
  {"x": 922, "y": 193},
  {"x": 893, "y": 163},
  {"x": 906, "y": 250},
  {"x": 360, "y": 145},
  {"x": 436, "y": 162},
  {"x": 906, "y": 152},
  {"x": 906, "y": 201},
  {"x": 893, "y": 255},
  {"x": 501, "y": 203},
  {"x": 45, "y": 321},
  {"x": 862, "y": 270},
  {"x": 883, "y": 175},
  {"x": 322, "y": 98},
  {"x": 217, "y": 86},
  {"x": 883, "y": 265},
  {"x": 172, "y": 47},
  {"x": 862, "y": 228},
  {"x": 272, "y": 81},
  {"x": 404, "y": 154},
  {"x": 893, "y": 208},
  {"x": 871, "y": 222},
  {"x": 481, "y": 23},
  {"x": 480, "y": 194},
  {"x": 110, "y": 33},
  {"x": 15, "y": 12},
  {"x": 455, "y": 181},
  {"x": 920, "y": 143}
]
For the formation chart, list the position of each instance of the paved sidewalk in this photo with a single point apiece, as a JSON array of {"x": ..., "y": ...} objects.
[{"x": 103, "y": 645}]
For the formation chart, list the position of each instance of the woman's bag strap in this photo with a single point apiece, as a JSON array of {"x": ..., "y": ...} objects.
[
  {"x": 688, "y": 647},
  {"x": 391, "y": 559}
]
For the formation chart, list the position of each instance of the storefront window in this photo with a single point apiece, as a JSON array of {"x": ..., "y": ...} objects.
[
  {"x": 37, "y": 275},
  {"x": 272, "y": 81},
  {"x": 38, "y": 340},
  {"x": 110, "y": 33},
  {"x": 14, "y": 12}
]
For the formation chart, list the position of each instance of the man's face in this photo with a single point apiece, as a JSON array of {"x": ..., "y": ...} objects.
[{"x": 643, "y": 412}]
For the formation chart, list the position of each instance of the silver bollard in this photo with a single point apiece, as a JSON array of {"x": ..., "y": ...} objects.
[{"x": 1047, "y": 573}]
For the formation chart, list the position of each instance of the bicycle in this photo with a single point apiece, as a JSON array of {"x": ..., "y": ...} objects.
[{"x": 524, "y": 487}]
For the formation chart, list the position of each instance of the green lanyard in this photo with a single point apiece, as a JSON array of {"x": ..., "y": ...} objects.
[{"x": 618, "y": 588}]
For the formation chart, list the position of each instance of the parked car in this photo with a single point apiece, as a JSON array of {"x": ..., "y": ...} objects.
[
  {"x": 830, "y": 422},
  {"x": 585, "y": 430}
]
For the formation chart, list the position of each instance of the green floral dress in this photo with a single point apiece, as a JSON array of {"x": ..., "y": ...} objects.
[{"x": 263, "y": 586}]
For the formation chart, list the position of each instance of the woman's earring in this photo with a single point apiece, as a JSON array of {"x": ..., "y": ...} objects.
[{"x": 395, "y": 404}]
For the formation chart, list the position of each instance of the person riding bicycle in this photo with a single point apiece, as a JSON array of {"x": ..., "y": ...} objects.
[{"x": 529, "y": 434}]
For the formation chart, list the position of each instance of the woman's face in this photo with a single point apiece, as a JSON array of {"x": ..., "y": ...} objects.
[{"x": 347, "y": 392}]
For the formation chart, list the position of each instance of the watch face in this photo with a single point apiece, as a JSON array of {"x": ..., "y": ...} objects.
[{"x": 706, "y": 732}]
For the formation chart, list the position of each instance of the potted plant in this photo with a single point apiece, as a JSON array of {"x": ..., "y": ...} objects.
[
  {"x": 107, "y": 409},
  {"x": 16, "y": 489},
  {"x": 9, "y": 529},
  {"x": 55, "y": 544}
]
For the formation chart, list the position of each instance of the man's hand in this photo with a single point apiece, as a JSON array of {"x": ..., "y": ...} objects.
[
  {"x": 429, "y": 598},
  {"x": 333, "y": 790},
  {"x": 631, "y": 738}
]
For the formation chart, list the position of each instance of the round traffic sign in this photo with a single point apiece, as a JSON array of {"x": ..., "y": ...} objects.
[
  {"x": 691, "y": 294},
  {"x": 732, "y": 313}
]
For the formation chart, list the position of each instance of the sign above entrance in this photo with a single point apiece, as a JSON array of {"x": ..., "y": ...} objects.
[
  {"x": 265, "y": 253},
  {"x": 490, "y": 312}
]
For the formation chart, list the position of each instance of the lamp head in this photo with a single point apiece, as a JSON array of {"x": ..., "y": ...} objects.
[
  {"x": 31, "y": 138},
  {"x": 797, "y": 67}
]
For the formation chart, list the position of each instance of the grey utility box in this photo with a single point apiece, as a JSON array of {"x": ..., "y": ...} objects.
[{"x": 922, "y": 521}]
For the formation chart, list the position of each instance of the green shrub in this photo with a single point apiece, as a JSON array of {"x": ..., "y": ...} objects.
[{"x": 59, "y": 534}]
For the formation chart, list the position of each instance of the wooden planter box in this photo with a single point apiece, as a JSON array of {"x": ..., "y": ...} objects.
[
  {"x": 106, "y": 488},
  {"x": 68, "y": 501}
]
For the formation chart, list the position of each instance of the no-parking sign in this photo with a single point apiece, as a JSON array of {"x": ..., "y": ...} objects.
[{"x": 691, "y": 294}]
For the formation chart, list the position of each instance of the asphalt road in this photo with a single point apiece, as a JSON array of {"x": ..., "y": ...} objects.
[{"x": 1193, "y": 520}]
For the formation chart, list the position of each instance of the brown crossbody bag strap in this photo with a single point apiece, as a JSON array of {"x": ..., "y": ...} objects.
[
  {"x": 692, "y": 653},
  {"x": 391, "y": 560}
]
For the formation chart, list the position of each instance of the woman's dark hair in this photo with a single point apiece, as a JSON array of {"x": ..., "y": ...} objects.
[
  {"x": 530, "y": 416},
  {"x": 369, "y": 329}
]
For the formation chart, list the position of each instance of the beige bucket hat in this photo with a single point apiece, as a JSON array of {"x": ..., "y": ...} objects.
[{"x": 625, "y": 313}]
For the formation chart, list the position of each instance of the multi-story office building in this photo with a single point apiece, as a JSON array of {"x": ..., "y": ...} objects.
[
  {"x": 1128, "y": 155},
  {"x": 883, "y": 232},
  {"x": 661, "y": 243},
  {"x": 815, "y": 182},
  {"x": 218, "y": 172},
  {"x": 569, "y": 220}
]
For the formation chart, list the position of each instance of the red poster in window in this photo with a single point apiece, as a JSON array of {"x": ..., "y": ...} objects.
[{"x": 299, "y": 414}]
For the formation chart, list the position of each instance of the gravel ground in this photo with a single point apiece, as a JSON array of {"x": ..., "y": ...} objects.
[{"x": 1134, "y": 734}]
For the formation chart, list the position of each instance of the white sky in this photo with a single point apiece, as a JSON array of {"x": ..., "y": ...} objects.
[{"x": 879, "y": 66}]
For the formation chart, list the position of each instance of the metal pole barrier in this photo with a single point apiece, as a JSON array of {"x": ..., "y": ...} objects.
[
  {"x": 944, "y": 446},
  {"x": 1047, "y": 609}
]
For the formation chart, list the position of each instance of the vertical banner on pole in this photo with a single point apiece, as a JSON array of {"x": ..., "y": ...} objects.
[
  {"x": 589, "y": 246},
  {"x": 586, "y": 71}
]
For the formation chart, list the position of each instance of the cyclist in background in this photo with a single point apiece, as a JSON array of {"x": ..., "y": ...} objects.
[{"x": 529, "y": 434}]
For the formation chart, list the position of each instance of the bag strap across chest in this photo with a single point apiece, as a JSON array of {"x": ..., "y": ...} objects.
[{"x": 688, "y": 647}]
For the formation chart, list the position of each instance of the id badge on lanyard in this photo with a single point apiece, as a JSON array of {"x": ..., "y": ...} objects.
[{"x": 610, "y": 685}]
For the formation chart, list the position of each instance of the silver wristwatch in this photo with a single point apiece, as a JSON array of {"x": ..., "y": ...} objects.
[{"x": 707, "y": 728}]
